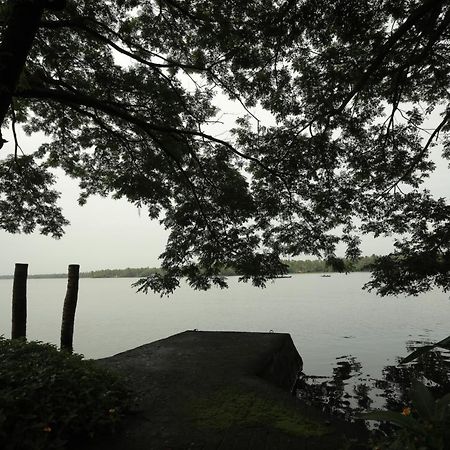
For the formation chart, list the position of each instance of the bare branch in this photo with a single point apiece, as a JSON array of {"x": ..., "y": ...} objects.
[
  {"x": 13, "y": 128},
  {"x": 421, "y": 154}
]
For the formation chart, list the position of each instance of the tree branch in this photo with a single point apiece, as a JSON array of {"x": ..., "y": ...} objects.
[
  {"x": 13, "y": 128},
  {"x": 176, "y": 6},
  {"x": 79, "y": 23},
  {"x": 421, "y": 154},
  {"x": 393, "y": 40},
  {"x": 16, "y": 42},
  {"x": 115, "y": 111}
]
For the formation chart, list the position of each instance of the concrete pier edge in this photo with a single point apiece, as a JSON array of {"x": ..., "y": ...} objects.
[{"x": 220, "y": 390}]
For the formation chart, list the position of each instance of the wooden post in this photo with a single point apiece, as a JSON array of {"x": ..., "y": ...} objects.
[
  {"x": 19, "y": 302},
  {"x": 70, "y": 305}
]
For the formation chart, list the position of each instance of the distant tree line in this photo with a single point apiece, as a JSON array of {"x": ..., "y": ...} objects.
[
  {"x": 129, "y": 272},
  {"x": 46, "y": 275},
  {"x": 362, "y": 264}
]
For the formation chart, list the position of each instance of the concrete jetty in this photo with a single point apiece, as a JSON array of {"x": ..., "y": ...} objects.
[{"x": 219, "y": 390}]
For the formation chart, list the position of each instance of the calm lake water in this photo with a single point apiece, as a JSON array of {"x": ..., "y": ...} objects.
[{"x": 326, "y": 317}]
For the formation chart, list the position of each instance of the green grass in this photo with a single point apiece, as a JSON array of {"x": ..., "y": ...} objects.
[{"x": 233, "y": 407}]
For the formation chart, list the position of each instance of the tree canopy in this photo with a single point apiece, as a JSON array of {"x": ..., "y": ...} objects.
[{"x": 126, "y": 91}]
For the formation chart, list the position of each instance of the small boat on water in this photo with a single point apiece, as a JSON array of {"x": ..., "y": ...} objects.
[{"x": 325, "y": 276}]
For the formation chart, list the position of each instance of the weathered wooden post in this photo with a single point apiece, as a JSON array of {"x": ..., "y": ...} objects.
[
  {"x": 70, "y": 305},
  {"x": 19, "y": 302}
]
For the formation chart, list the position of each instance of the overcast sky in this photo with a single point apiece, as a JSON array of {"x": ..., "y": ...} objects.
[{"x": 108, "y": 233}]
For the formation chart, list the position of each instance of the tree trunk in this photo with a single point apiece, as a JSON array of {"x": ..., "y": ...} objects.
[
  {"x": 22, "y": 24},
  {"x": 70, "y": 305},
  {"x": 21, "y": 27},
  {"x": 19, "y": 302}
]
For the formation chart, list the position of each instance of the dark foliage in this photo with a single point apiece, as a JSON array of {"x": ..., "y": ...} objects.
[
  {"x": 48, "y": 398},
  {"x": 351, "y": 86}
]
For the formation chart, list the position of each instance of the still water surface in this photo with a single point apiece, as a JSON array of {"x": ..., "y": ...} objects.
[{"x": 326, "y": 317}]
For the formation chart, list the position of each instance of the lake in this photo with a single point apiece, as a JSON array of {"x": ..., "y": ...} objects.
[{"x": 327, "y": 317}]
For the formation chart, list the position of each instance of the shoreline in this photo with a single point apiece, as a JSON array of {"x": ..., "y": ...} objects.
[{"x": 87, "y": 275}]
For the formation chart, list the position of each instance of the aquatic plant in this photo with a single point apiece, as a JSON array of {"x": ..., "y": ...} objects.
[{"x": 425, "y": 424}]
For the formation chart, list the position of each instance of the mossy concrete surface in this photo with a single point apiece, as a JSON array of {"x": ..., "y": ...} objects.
[
  {"x": 219, "y": 390},
  {"x": 236, "y": 406}
]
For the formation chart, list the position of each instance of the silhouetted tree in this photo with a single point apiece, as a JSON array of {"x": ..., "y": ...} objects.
[{"x": 126, "y": 91}]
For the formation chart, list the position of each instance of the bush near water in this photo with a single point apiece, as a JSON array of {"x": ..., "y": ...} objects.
[{"x": 49, "y": 397}]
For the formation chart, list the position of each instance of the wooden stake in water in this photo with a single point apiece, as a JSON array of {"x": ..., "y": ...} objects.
[
  {"x": 19, "y": 302},
  {"x": 70, "y": 305}
]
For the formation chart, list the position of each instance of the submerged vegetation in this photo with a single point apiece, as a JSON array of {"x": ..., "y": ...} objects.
[{"x": 411, "y": 400}]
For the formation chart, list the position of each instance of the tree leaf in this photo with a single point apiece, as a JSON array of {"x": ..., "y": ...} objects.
[
  {"x": 441, "y": 407},
  {"x": 422, "y": 400},
  {"x": 416, "y": 353},
  {"x": 396, "y": 418},
  {"x": 445, "y": 343}
]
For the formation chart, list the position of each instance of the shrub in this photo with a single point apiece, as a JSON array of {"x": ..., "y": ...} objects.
[
  {"x": 48, "y": 397},
  {"x": 423, "y": 426}
]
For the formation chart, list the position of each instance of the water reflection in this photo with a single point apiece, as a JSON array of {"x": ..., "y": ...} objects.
[
  {"x": 343, "y": 394},
  {"x": 348, "y": 392}
]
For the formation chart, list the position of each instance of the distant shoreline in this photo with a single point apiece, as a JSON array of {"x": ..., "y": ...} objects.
[
  {"x": 294, "y": 267},
  {"x": 64, "y": 275}
]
